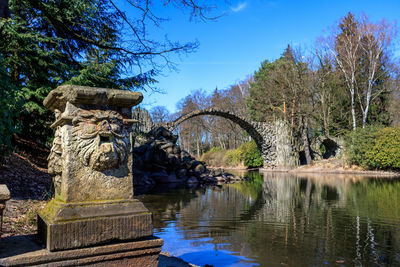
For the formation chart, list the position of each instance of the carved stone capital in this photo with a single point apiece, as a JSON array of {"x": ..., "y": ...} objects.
[
  {"x": 84, "y": 95},
  {"x": 90, "y": 158}
]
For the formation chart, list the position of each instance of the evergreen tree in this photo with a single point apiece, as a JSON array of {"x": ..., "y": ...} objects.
[
  {"x": 9, "y": 105},
  {"x": 52, "y": 42},
  {"x": 280, "y": 90},
  {"x": 42, "y": 52}
]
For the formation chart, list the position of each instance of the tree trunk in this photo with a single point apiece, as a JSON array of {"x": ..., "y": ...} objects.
[
  {"x": 306, "y": 143},
  {"x": 284, "y": 102},
  {"x": 327, "y": 122},
  {"x": 368, "y": 100},
  {"x": 221, "y": 144},
  {"x": 365, "y": 115},
  {"x": 353, "y": 111},
  {"x": 198, "y": 148},
  {"x": 293, "y": 109}
]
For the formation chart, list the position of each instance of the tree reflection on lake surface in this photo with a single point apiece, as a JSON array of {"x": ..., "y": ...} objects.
[{"x": 283, "y": 219}]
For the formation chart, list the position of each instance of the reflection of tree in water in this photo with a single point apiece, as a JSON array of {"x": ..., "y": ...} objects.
[{"x": 283, "y": 218}]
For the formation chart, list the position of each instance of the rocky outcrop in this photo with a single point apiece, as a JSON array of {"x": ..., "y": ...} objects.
[
  {"x": 326, "y": 147},
  {"x": 159, "y": 160}
]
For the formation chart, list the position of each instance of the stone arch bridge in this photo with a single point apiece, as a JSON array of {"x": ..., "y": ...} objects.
[{"x": 274, "y": 140}]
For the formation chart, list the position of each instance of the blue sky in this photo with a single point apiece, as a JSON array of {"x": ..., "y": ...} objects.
[{"x": 234, "y": 46}]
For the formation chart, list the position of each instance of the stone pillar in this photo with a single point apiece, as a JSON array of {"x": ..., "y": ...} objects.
[
  {"x": 278, "y": 147},
  {"x": 286, "y": 153},
  {"x": 4, "y": 196},
  {"x": 91, "y": 164}
]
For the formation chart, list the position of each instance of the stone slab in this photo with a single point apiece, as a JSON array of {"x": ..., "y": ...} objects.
[{"x": 23, "y": 251}]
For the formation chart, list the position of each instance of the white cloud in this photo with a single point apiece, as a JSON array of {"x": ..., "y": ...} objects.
[{"x": 239, "y": 7}]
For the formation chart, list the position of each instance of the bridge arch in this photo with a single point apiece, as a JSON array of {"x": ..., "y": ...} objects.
[{"x": 252, "y": 128}]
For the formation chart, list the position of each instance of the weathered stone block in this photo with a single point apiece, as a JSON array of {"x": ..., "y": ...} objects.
[{"x": 73, "y": 225}]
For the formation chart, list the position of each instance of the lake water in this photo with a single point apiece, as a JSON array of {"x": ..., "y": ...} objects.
[{"x": 279, "y": 219}]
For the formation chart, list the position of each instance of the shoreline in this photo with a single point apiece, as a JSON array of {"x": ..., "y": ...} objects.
[
  {"x": 233, "y": 168},
  {"x": 317, "y": 169},
  {"x": 382, "y": 174}
]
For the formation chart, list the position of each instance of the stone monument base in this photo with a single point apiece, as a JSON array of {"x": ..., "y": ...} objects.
[
  {"x": 23, "y": 251},
  {"x": 75, "y": 225}
]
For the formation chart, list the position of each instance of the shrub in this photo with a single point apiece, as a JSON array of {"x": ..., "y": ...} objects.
[
  {"x": 385, "y": 153},
  {"x": 234, "y": 157},
  {"x": 247, "y": 154},
  {"x": 214, "y": 157},
  {"x": 358, "y": 143},
  {"x": 252, "y": 156},
  {"x": 374, "y": 148}
]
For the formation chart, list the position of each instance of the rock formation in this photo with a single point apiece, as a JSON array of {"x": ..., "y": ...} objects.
[{"x": 158, "y": 159}]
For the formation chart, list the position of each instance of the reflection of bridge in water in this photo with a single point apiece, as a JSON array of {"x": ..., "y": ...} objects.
[{"x": 274, "y": 140}]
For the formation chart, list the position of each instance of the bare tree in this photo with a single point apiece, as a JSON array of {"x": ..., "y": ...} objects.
[
  {"x": 323, "y": 87},
  {"x": 344, "y": 45},
  {"x": 360, "y": 49},
  {"x": 160, "y": 114},
  {"x": 192, "y": 131},
  {"x": 374, "y": 43}
]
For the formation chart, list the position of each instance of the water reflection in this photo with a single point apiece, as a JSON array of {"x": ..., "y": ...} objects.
[{"x": 283, "y": 219}]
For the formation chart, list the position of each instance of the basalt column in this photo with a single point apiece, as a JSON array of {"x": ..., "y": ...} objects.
[{"x": 91, "y": 164}]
